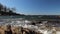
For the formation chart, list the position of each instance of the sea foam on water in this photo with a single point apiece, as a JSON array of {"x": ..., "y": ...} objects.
[{"x": 26, "y": 24}]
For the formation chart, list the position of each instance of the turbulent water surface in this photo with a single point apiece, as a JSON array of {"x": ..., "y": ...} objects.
[{"x": 27, "y": 24}]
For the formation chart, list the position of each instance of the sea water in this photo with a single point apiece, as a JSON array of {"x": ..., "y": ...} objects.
[{"x": 25, "y": 24}]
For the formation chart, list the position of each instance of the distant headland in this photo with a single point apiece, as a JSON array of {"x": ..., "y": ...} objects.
[{"x": 4, "y": 11}]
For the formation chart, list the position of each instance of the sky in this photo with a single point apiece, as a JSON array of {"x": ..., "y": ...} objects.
[{"x": 34, "y": 7}]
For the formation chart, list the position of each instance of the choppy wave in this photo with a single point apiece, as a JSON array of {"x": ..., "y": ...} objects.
[{"x": 27, "y": 24}]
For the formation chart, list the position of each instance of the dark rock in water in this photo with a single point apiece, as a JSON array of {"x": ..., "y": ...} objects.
[
  {"x": 8, "y": 32},
  {"x": 33, "y": 23}
]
